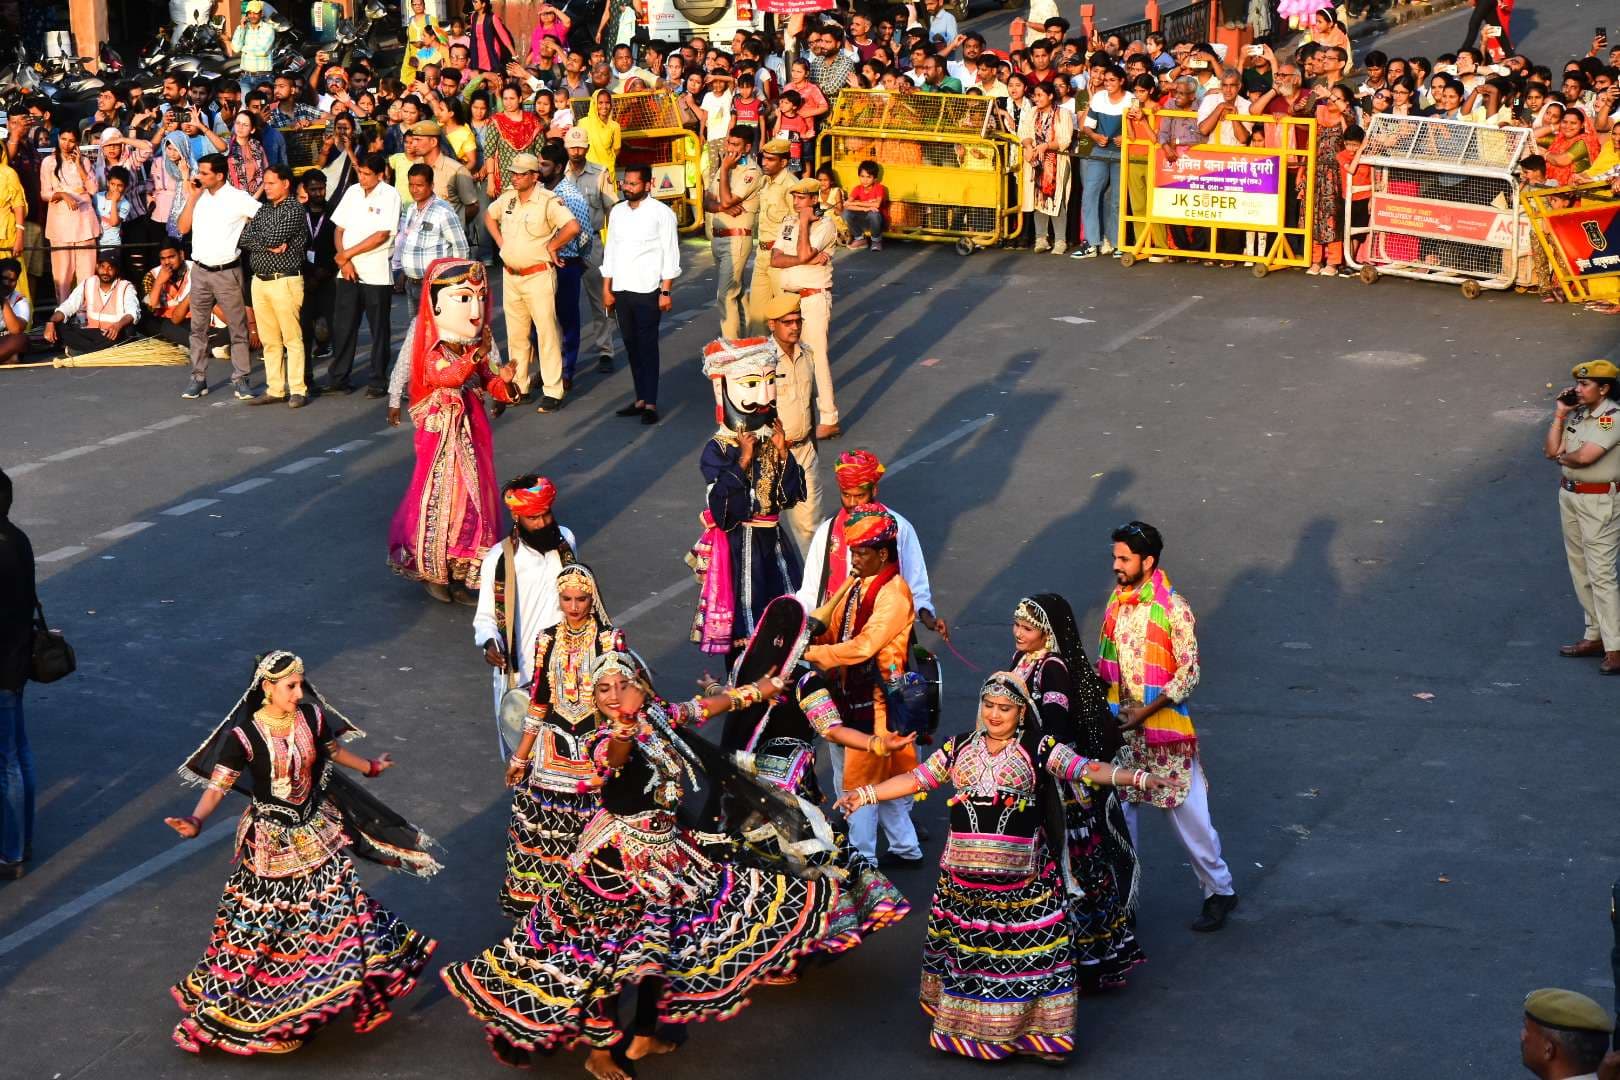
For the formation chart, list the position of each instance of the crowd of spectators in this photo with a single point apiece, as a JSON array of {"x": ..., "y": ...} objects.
[{"x": 469, "y": 98}]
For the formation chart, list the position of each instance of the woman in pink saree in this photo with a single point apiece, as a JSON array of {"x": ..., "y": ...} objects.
[{"x": 449, "y": 516}]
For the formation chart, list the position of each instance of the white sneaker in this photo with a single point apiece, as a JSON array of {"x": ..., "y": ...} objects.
[
  {"x": 1060, "y": 248},
  {"x": 1105, "y": 248},
  {"x": 1043, "y": 244},
  {"x": 222, "y": 352}
]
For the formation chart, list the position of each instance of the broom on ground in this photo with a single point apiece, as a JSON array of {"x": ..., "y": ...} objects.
[{"x": 146, "y": 352}]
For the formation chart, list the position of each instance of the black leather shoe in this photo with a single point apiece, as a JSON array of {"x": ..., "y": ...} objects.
[
  {"x": 649, "y": 416},
  {"x": 629, "y": 410},
  {"x": 338, "y": 388},
  {"x": 550, "y": 404},
  {"x": 376, "y": 391},
  {"x": 1213, "y": 916},
  {"x": 604, "y": 364}
]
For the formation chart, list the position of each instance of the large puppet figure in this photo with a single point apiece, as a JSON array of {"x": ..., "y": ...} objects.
[
  {"x": 742, "y": 561},
  {"x": 448, "y": 518}
]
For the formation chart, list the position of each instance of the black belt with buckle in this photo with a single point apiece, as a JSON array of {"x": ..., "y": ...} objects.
[
  {"x": 232, "y": 265},
  {"x": 277, "y": 277}
]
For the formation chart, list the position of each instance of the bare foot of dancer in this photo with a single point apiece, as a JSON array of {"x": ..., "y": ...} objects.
[
  {"x": 647, "y": 1046},
  {"x": 599, "y": 1063}
]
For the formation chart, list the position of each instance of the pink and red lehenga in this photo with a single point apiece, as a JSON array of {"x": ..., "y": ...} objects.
[{"x": 449, "y": 516}]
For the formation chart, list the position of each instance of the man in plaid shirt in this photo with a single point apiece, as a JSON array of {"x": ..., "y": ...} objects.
[
  {"x": 571, "y": 256},
  {"x": 428, "y": 229}
]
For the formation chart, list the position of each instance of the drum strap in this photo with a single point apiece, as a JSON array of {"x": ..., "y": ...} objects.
[{"x": 509, "y": 599}]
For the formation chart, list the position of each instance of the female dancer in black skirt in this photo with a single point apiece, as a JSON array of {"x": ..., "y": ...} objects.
[{"x": 297, "y": 941}]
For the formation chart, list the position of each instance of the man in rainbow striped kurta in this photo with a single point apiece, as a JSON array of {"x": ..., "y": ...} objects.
[{"x": 1148, "y": 657}]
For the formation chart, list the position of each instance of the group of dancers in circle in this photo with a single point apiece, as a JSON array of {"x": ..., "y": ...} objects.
[{"x": 655, "y": 877}]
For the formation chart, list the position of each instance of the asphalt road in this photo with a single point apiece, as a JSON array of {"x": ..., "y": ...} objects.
[{"x": 1410, "y": 784}]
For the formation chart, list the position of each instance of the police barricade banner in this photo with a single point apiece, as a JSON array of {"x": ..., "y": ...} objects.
[
  {"x": 1440, "y": 220},
  {"x": 1589, "y": 239},
  {"x": 1236, "y": 189}
]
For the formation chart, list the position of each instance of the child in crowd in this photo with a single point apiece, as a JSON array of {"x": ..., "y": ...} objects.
[
  {"x": 796, "y": 129},
  {"x": 112, "y": 209},
  {"x": 867, "y": 207},
  {"x": 1356, "y": 182},
  {"x": 746, "y": 107},
  {"x": 831, "y": 196}
]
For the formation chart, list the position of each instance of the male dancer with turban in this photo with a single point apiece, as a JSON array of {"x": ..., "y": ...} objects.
[
  {"x": 517, "y": 597},
  {"x": 868, "y": 631},
  {"x": 741, "y": 561},
  {"x": 827, "y": 561}
]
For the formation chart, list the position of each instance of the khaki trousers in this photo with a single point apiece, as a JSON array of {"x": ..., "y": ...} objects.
[
  {"x": 1591, "y": 525},
  {"x": 278, "y": 308},
  {"x": 730, "y": 260},
  {"x": 817, "y": 312},
  {"x": 531, "y": 300},
  {"x": 805, "y": 516},
  {"x": 761, "y": 287}
]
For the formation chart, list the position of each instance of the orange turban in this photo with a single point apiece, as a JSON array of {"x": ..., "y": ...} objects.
[
  {"x": 869, "y": 525},
  {"x": 527, "y": 502},
  {"x": 857, "y": 469}
]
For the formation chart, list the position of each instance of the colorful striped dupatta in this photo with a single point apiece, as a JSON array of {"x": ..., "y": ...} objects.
[{"x": 1170, "y": 724}]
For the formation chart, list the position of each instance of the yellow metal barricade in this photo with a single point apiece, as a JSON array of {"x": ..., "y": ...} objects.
[
  {"x": 950, "y": 175},
  {"x": 1239, "y": 193},
  {"x": 1578, "y": 232},
  {"x": 652, "y": 135}
]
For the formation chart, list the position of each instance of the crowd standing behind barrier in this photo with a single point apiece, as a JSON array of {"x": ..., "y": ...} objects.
[{"x": 1179, "y": 137}]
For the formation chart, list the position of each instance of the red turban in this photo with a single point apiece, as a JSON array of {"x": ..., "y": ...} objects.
[
  {"x": 869, "y": 525},
  {"x": 527, "y": 502},
  {"x": 857, "y": 469}
]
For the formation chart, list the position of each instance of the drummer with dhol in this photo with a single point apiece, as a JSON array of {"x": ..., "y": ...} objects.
[{"x": 517, "y": 595}]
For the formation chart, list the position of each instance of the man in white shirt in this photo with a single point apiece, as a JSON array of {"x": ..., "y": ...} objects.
[
  {"x": 541, "y": 548},
  {"x": 15, "y": 312},
  {"x": 639, "y": 267},
  {"x": 366, "y": 220},
  {"x": 106, "y": 308},
  {"x": 826, "y": 560},
  {"x": 1219, "y": 122},
  {"x": 214, "y": 215}
]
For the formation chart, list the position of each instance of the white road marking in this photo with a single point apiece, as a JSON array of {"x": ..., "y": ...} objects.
[
  {"x": 189, "y": 507},
  {"x": 172, "y": 422},
  {"x": 300, "y": 465},
  {"x": 246, "y": 485},
  {"x": 128, "y": 436},
  {"x": 1072, "y": 320},
  {"x": 23, "y": 470},
  {"x": 107, "y": 890},
  {"x": 1142, "y": 328},
  {"x": 129, "y": 528},
  {"x": 687, "y": 583},
  {"x": 348, "y": 446},
  {"x": 61, "y": 553},
  {"x": 72, "y": 452}
]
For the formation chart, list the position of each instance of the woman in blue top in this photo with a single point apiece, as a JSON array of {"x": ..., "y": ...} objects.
[{"x": 1099, "y": 174}]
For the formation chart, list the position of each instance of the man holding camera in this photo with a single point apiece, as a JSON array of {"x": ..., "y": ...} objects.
[{"x": 1585, "y": 428}]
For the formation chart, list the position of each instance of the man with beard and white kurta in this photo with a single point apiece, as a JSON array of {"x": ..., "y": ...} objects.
[{"x": 526, "y": 563}]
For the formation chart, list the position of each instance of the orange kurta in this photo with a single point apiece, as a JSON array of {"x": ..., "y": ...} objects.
[{"x": 886, "y": 636}]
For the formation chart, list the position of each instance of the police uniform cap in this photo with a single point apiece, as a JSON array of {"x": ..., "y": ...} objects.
[
  {"x": 525, "y": 163},
  {"x": 1565, "y": 1010},
  {"x": 576, "y": 136},
  {"x": 782, "y": 304},
  {"x": 1596, "y": 369},
  {"x": 428, "y": 128},
  {"x": 779, "y": 147},
  {"x": 807, "y": 186}
]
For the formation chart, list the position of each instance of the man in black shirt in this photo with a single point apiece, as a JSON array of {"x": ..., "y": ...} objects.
[
  {"x": 16, "y": 655},
  {"x": 276, "y": 239},
  {"x": 319, "y": 263}
]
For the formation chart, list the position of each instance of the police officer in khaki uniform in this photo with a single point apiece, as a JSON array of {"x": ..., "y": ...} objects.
[
  {"x": 802, "y": 257},
  {"x": 596, "y": 184},
  {"x": 732, "y": 204},
  {"x": 775, "y": 207},
  {"x": 529, "y": 224},
  {"x": 795, "y": 389},
  {"x": 1584, "y": 430}
]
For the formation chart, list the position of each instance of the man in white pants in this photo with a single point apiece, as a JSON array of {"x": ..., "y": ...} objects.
[
  {"x": 1148, "y": 659},
  {"x": 826, "y": 563},
  {"x": 542, "y": 548}
]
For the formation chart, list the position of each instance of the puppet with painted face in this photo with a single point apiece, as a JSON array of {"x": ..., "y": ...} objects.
[
  {"x": 450, "y": 514},
  {"x": 742, "y": 561}
]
